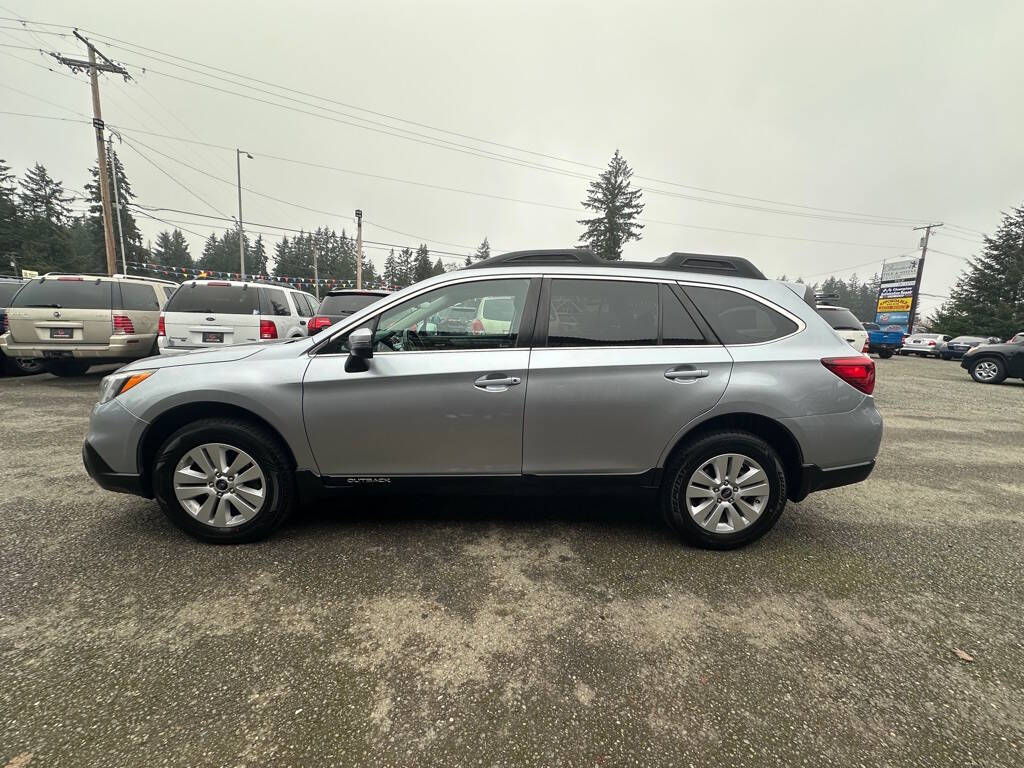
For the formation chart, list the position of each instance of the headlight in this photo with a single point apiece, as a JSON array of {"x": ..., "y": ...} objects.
[
  {"x": 118, "y": 383},
  {"x": 970, "y": 351}
]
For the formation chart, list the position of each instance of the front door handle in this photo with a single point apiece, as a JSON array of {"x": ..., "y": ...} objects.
[
  {"x": 496, "y": 382},
  {"x": 686, "y": 374}
]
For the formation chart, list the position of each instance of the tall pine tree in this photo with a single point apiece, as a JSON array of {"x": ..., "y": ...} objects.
[
  {"x": 421, "y": 266},
  {"x": 45, "y": 218},
  {"x": 10, "y": 216},
  {"x": 617, "y": 205},
  {"x": 988, "y": 300},
  {"x": 132, "y": 234},
  {"x": 483, "y": 251},
  {"x": 172, "y": 249}
]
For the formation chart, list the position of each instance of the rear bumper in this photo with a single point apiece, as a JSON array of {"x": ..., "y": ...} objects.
[
  {"x": 879, "y": 346},
  {"x": 814, "y": 478},
  {"x": 123, "y": 348},
  {"x": 110, "y": 480}
]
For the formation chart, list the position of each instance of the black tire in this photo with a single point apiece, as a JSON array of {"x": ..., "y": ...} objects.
[
  {"x": 885, "y": 354},
  {"x": 20, "y": 366},
  {"x": 66, "y": 368},
  {"x": 686, "y": 462},
  {"x": 978, "y": 376},
  {"x": 947, "y": 357},
  {"x": 266, "y": 450}
]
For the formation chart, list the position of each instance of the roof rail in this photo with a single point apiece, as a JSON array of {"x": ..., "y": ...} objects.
[
  {"x": 120, "y": 275},
  {"x": 74, "y": 274},
  {"x": 584, "y": 257}
]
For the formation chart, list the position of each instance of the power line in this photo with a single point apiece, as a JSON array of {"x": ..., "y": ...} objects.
[{"x": 184, "y": 186}]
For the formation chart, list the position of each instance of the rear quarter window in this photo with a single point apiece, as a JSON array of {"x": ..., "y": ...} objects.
[
  {"x": 64, "y": 294},
  {"x": 214, "y": 299},
  {"x": 139, "y": 296},
  {"x": 275, "y": 302},
  {"x": 737, "y": 318},
  {"x": 7, "y": 291}
]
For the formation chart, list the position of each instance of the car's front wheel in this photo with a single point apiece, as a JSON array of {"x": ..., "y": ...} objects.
[
  {"x": 725, "y": 490},
  {"x": 225, "y": 481},
  {"x": 988, "y": 370}
]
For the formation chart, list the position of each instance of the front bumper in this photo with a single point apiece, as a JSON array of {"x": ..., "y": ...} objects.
[{"x": 110, "y": 480}]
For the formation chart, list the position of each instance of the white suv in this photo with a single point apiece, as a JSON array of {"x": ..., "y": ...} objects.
[{"x": 218, "y": 313}]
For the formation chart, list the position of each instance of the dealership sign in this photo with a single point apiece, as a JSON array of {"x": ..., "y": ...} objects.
[{"x": 896, "y": 294}]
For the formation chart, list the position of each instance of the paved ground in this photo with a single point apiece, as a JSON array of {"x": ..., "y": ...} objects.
[{"x": 551, "y": 632}]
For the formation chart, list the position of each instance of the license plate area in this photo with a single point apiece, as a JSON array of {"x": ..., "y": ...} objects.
[
  {"x": 213, "y": 337},
  {"x": 62, "y": 333}
]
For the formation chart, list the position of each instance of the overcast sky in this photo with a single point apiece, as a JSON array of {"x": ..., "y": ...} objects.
[{"x": 910, "y": 110}]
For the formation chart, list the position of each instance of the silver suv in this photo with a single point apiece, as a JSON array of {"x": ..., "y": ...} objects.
[{"x": 693, "y": 376}]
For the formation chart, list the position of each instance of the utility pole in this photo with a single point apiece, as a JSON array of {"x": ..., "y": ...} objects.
[
  {"x": 94, "y": 68},
  {"x": 920, "y": 273},
  {"x": 316, "y": 271},
  {"x": 359, "y": 249},
  {"x": 117, "y": 204},
  {"x": 241, "y": 231}
]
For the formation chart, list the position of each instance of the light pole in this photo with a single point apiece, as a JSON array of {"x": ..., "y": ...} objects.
[{"x": 241, "y": 230}]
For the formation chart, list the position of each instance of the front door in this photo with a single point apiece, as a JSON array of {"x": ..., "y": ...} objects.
[
  {"x": 439, "y": 398},
  {"x": 623, "y": 368}
]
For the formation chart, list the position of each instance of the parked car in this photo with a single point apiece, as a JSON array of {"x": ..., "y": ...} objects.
[
  {"x": 845, "y": 323},
  {"x": 71, "y": 322},
  {"x": 340, "y": 304},
  {"x": 13, "y": 366},
  {"x": 924, "y": 344},
  {"x": 955, "y": 348},
  {"x": 219, "y": 313},
  {"x": 993, "y": 363},
  {"x": 883, "y": 342},
  {"x": 694, "y": 377}
]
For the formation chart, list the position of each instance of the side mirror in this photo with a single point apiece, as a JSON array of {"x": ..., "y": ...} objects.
[{"x": 360, "y": 349}]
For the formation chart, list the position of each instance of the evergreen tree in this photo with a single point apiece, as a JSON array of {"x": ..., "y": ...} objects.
[
  {"x": 391, "y": 275},
  {"x": 172, "y": 250},
  {"x": 438, "y": 268},
  {"x": 988, "y": 299},
  {"x": 483, "y": 251},
  {"x": 10, "y": 217},
  {"x": 45, "y": 219},
  {"x": 255, "y": 257},
  {"x": 421, "y": 265},
  {"x": 618, "y": 206},
  {"x": 132, "y": 235},
  {"x": 404, "y": 266}
]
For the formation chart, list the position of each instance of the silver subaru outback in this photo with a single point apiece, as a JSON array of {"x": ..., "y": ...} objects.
[{"x": 692, "y": 376}]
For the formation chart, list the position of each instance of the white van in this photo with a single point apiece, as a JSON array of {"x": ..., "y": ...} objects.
[{"x": 216, "y": 313}]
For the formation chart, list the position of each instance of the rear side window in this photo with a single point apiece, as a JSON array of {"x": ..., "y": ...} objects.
[
  {"x": 737, "y": 318},
  {"x": 64, "y": 294},
  {"x": 677, "y": 327},
  {"x": 313, "y": 301},
  {"x": 840, "y": 319},
  {"x": 602, "y": 313},
  {"x": 136, "y": 296},
  {"x": 301, "y": 304},
  {"x": 215, "y": 299},
  {"x": 276, "y": 303}
]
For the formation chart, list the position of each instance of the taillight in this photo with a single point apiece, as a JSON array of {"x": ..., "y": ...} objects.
[
  {"x": 318, "y": 323},
  {"x": 123, "y": 324},
  {"x": 267, "y": 329},
  {"x": 866, "y": 348},
  {"x": 478, "y": 326},
  {"x": 858, "y": 372},
  {"x": 160, "y": 329},
  {"x": 931, "y": 343}
]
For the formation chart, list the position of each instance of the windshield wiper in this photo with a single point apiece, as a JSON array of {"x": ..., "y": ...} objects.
[{"x": 51, "y": 306}]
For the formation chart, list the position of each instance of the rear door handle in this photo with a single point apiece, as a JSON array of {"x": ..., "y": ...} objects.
[
  {"x": 496, "y": 382},
  {"x": 686, "y": 374}
]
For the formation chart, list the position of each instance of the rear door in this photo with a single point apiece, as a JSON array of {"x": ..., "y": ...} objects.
[
  {"x": 66, "y": 310},
  {"x": 623, "y": 365},
  {"x": 212, "y": 314}
]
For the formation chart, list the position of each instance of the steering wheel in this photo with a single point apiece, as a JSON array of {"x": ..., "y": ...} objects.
[{"x": 411, "y": 340}]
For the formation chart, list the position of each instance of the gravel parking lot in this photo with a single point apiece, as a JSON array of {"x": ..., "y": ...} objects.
[{"x": 879, "y": 624}]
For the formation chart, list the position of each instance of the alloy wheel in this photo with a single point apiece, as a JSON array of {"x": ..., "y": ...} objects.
[
  {"x": 28, "y": 365},
  {"x": 727, "y": 493},
  {"x": 220, "y": 485},
  {"x": 986, "y": 370}
]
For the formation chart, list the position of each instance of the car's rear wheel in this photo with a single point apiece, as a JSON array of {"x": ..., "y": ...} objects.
[
  {"x": 66, "y": 367},
  {"x": 225, "y": 481},
  {"x": 20, "y": 366},
  {"x": 988, "y": 370},
  {"x": 885, "y": 354},
  {"x": 725, "y": 490}
]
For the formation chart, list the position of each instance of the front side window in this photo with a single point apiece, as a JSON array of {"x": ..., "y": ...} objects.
[
  {"x": 301, "y": 305},
  {"x": 423, "y": 324},
  {"x": 136, "y": 296},
  {"x": 602, "y": 313},
  {"x": 737, "y": 318}
]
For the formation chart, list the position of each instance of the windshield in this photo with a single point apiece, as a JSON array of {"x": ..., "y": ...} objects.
[
  {"x": 346, "y": 304},
  {"x": 64, "y": 293},
  {"x": 967, "y": 340},
  {"x": 215, "y": 299},
  {"x": 840, "y": 319}
]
